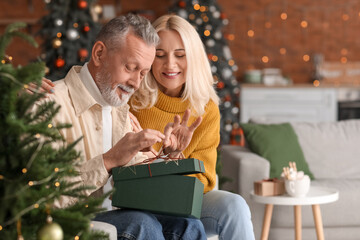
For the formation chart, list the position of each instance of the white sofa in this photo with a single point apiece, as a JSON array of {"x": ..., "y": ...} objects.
[{"x": 332, "y": 151}]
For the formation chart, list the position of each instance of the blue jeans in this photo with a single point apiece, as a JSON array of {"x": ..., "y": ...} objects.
[
  {"x": 226, "y": 214},
  {"x": 132, "y": 224}
]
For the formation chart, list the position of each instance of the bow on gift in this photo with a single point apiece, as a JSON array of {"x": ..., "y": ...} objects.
[{"x": 159, "y": 156}]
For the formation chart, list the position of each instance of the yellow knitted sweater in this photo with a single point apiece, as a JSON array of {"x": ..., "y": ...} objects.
[{"x": 205, "y": 139}]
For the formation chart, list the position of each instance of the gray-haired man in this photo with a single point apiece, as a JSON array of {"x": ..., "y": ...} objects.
[{"x": 93, "y": 99}]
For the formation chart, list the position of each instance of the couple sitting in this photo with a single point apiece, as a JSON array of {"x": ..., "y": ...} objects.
[{"x": 163, "y": 72}]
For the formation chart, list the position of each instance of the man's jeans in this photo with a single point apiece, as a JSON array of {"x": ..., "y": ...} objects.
[
  {"x": 131, "y": 224},
  {"x": 226, "y": 214}
]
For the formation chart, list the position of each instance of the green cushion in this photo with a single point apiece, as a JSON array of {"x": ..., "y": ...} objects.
[{"x": 278, "y": 144}]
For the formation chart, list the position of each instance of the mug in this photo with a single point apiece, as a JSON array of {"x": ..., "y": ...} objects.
[{"x": 298, "y": 187}]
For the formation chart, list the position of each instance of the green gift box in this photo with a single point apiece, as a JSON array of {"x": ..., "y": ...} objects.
[{"x": 160, "y": 187}]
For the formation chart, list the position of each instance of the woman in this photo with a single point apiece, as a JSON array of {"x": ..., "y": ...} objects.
[{"x": 181, "y": 79}]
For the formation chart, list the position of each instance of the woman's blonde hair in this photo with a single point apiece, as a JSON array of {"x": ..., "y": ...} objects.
[{"x": 199, "y": 89}]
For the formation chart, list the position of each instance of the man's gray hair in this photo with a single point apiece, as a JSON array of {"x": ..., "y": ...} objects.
[{"x": 113, "y": 33}]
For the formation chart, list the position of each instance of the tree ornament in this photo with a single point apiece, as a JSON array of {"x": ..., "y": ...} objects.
[
  {"x": 216, "y": 14},
  {"x": 95, "y": 12},
  {"x": 56, "y": 43},
  {"x": 227, "y": 52},
  {"x": 210, "y": 43},
  {"x": 72, "y": 34},
  {"x": 235, "y": 110},
  {"x": 182, "y": 4},
  {"x": 220, "y": 85},
  {"x": 18, "y": 228},
  {"x": 183, "y": 13},
  {"x": 86, "y": 28},
  {"x": 58, "y": 22},
  {"x": 83, "y": 53},
  {"x": 227, "y": 104},
  {"x": 234, "y": 82},
  {"x": 237, "y": 136},
  {"x": 82, "y": 4},
  {"x": 98, "y": 9},
  {"x": 226, "y": 73},
  {"x": 7, "y": 59},
  {"x": 228, "y": 127},
  {"x": 59, "y": 63},
  {"x": 217, "y": 35},
  {"x": 50, "y": 231},
  {"x": 213, "y": 69}
]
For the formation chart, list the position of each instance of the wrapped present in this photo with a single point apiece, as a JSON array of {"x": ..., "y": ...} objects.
[
  {"x": 160, "y": 187},
  {"x": 269, "y": 187}
]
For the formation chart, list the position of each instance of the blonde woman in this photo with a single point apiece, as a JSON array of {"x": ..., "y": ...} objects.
[{"x": 181, "y": 79}]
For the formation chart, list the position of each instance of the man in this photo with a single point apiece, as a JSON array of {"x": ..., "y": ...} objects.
[{"x": 93, "y": 98}]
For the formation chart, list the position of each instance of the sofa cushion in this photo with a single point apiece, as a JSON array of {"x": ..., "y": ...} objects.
[
  {"x": 277, "y": 143},
  {"x": 332, "y": 149}
]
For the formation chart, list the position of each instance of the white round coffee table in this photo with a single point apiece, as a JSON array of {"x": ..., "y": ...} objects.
[{"x": 315, "y": 197}]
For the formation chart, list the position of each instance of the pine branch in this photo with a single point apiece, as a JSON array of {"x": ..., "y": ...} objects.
[
  {"x": 35, "y": 161},
  {"x": 31, "y": 73},
  {"x": 26, "y": 210},
  {"x": 11, "y": 31}
]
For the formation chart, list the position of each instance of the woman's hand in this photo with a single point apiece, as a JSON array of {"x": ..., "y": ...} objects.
[
  {"x": 47, "y": 86},
  {"x": 178, "y": 135}
]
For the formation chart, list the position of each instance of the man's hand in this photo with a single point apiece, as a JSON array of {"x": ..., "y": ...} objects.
[
  {"x": 178, "y": 135},
  {"x": 132, "y": 143}
]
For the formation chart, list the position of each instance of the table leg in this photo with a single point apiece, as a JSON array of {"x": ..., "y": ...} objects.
[
  {"x": 267, "y": 221},
  {"x": 297, "y": 211},
  {"x": 318, "y": 222}
]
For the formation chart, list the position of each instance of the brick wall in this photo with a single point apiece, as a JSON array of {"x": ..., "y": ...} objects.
[
  {"x": 333, "y": 26},
  {"x": 327, "y": 33}
]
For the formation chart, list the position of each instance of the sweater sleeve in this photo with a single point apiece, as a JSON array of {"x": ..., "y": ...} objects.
[{"x": 206, "y": 139}]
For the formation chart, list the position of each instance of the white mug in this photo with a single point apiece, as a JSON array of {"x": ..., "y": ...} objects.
[{"x": 298, "y": 187}]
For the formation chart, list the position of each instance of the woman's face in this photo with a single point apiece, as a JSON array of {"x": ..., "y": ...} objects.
[{"x": 169, "y": 66}]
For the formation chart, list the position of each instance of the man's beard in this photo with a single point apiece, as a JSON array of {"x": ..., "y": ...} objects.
[{"x": 110, "y": 95}]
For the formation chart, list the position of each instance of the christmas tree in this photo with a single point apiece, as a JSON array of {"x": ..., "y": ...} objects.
[
  {"x": 69, "y": 31},
  {"x": 208, "y": 19},
  {"x": 33, "y": 172}
]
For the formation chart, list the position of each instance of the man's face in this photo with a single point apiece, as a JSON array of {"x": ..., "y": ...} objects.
[{"x": 122, "y": 71}]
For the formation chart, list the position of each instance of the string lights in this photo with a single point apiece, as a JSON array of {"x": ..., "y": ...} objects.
[{"x": 289, "y": 13}]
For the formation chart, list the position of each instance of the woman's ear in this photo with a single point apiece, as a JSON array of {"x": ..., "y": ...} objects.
[{"x": 98, "y": 53}]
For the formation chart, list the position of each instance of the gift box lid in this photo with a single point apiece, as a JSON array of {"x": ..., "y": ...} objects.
[{"x": 183, "y": 166}]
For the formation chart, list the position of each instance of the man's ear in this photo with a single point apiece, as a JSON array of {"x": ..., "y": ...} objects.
[{"x": 98, "y": 53}]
